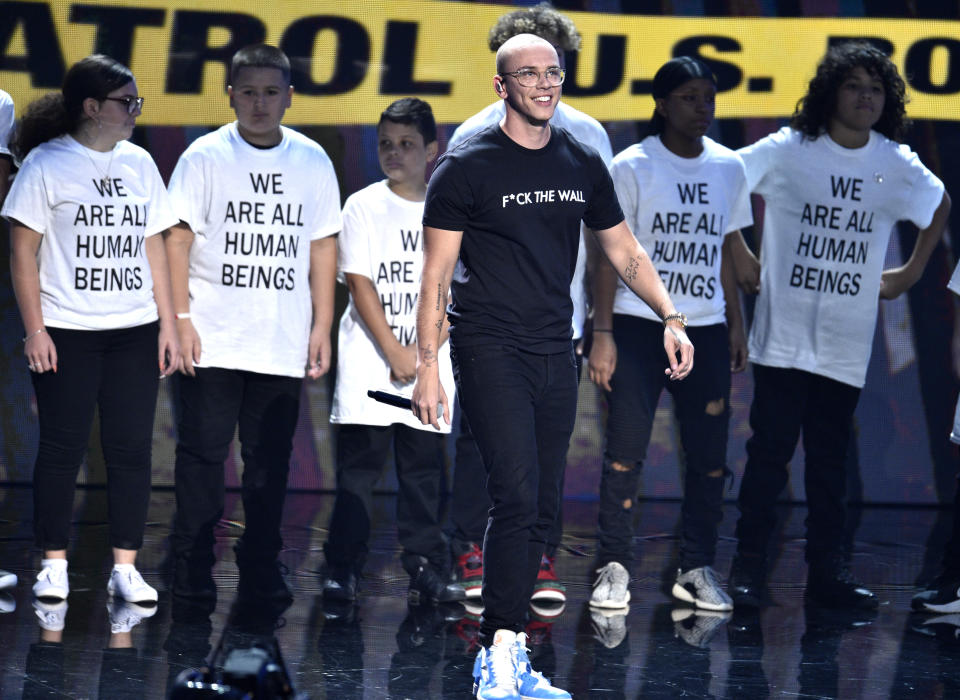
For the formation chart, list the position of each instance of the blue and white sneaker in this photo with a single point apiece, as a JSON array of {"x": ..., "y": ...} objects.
[
  {"x": 495, "y": 670},
  {"x": 531, "y": 685}
]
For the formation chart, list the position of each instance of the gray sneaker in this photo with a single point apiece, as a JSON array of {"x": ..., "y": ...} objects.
[
  {"x": 609, "y": 626},
  {"x": 610, "y": 588},
  {"x": 696, "y": 627},
  {"x": 701, "y": 587}
]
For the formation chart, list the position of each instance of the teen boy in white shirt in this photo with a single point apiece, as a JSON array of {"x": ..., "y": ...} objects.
[
  {"x": 253, "y": 264},
  {"x": 381, "y": 256}
]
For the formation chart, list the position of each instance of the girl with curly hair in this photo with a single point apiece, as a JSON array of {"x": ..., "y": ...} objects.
[{"x": 834, "y": 183}]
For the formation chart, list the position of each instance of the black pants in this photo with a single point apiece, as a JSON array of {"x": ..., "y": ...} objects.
[
  {"x": 468, "y": 510},
  {"x": 115, "y": 371},
  {"x": 264, "y": 408},
  {"x": 468, "y": 505},
  {"x": 521, "y": 407},
  {"x": 951, "y": 553},
  {"x": 362, "y": 452},
  {"x": 701, "y": 402},
  {"x": 784, "y": 402}
]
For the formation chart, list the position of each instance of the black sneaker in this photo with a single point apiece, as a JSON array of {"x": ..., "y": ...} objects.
[
  {"x": 193, "y": 581},
  {"x": 830, "y": 585},
  {"x": 942, "y": 596},
  {"x": 340, "y": 584},
  {"x": 827, "y": 621},
  {"x": 339, "y": 611},
  {"x": 428, "y": 585},
  {"x": 263, "y": 579},
  {"x": 745, "y": 631},
  {"x": 746, "y": 583}
]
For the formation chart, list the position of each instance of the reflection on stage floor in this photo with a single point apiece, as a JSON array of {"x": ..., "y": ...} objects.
[{"x": 380, "y": 648}]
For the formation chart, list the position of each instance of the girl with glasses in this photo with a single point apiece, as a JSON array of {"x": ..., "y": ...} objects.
[{"x": 90, "y": 276}]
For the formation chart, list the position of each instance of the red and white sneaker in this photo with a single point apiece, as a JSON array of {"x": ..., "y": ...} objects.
[
  {"x": 467, "y": 630},
  {"x": 548, "y": 586},
  {"x": 468, "y": 569}
]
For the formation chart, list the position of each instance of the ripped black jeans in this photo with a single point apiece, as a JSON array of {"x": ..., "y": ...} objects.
[{"x": 702, "y": 407}]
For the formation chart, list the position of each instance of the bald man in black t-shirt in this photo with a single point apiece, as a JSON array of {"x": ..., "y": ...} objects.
[{"x": 501, "y": 230}]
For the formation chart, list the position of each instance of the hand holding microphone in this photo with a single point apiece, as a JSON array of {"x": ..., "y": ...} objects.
[{"x": 397, "y": 400}]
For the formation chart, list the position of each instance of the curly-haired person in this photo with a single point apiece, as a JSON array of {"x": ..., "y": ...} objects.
[
  {"x": 834, "y": 183},
  {"x": 543, "y": 21}
]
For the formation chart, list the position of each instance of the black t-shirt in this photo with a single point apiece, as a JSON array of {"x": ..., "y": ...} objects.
[{"x": 520, "y": 212}]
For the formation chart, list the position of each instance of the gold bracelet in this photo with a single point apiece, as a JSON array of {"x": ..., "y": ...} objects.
[{"x": 676, "y": 316}]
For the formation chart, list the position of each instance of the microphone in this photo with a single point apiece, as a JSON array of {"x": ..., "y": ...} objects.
[{"x": 396, "y": 400}]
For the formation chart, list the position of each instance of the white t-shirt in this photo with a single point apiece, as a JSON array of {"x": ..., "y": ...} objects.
[
  {"x": 828, "y": 217},
  {"x": 382, "y": 241},
  {"x": 680, "y": 209},
  {"x": 94, "y": 273},
  {"x": 254, "y": 213},
  {"x": 584, "y": 129},
  {"x": 954, "y": 286},
  {"x": 7, "y": 118}
]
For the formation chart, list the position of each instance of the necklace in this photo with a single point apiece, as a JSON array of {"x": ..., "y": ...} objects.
[{"x": 104, "y": 176}]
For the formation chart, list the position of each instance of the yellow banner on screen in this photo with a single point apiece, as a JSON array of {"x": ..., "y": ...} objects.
[{"x": 352, "y": 59}]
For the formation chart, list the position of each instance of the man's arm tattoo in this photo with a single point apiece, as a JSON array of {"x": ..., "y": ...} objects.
[
  {"x": 439, "y": 295},
  {"x": 429, "y": 357},
  {"x": 631, "y": 270},
  {"x": 439, "y": 324}
]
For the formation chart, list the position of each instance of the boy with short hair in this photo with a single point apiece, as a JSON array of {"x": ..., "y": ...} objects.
[
  {"x": 253, "y": 264},
  {"x": 381, "y": 256},
  {"x": 834, "y": 183}
]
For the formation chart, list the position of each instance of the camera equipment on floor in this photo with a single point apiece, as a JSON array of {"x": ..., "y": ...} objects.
[{"x": 243, "y": 666}]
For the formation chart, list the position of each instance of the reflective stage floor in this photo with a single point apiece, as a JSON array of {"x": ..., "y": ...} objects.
[{"x": 381, "y": 649}]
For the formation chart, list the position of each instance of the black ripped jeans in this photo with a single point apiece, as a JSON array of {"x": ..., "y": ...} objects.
[{"x": 701, "y": 402}]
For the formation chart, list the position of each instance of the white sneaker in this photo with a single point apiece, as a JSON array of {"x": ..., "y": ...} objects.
[
  {"x": 610, "y": 588},
  {"x": 701, "y": 587},
  {"x": 127, "y": 583},
  {"x": 52, "y": 616},
  {"x": 124, "y": 616},
  {"x": 7, "y": 579},
  {"x": 532, "y": 685},
  {"x": 8, "y": 603},
  {"x": 495, "y": 669},
  {"x": 52, "y": 582}
]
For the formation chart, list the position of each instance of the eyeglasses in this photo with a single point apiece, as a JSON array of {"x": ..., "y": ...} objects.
[
  {"x": 132, "y": 103},
  {"x": 530, "y": 78}
]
